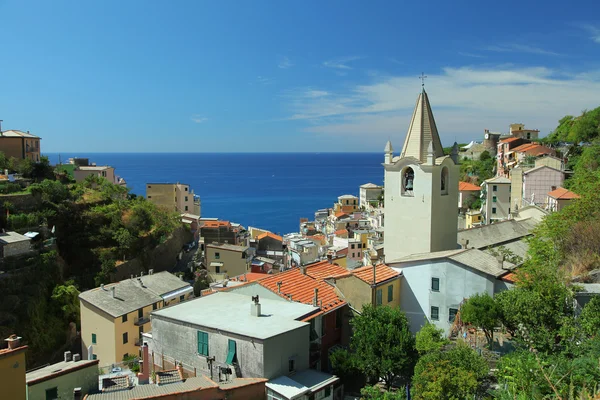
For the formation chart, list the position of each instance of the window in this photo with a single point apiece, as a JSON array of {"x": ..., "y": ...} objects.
[
  {"x": 452, "y": 314},
  {"x": 408, "y": 177},
  {"x": 338, "y": 318},
  {"x": 124, "y": 318},
  {"x": 182, "y": 297},
  {"x": 93, "y": 338},
  {"x": 352, "y": 246},
  {"x": 186, "y": 198},
  {"x": 328, "y": 391},
  {"x": 495, "y": 188},
  {"x": 154, "y": 306},
  {"x": 390, "y": 292},
  {"x": 217, "y": 255},
  {"x": 360, "y": 245},
  {"x": 52, "y": 394},
  {"x": 94, "y": 356},
  {"x": 217, "y": 269},
  {"x": 359, "y": 253},
  {"x": 435, "y": 313},
  {"x": 291, "y": 364},
  {"x": 231, "y": 350},
  {"x": 494, "y": 199},
  {"x": 203, "y": 343},
  {"x": 435, "y": 284},
  {"x": 125, "y": 338},
  {"x": 353, "y": 255},
  {"x": 493, "y": 210},
  {"x": 186, "y": 189},
  {"x": 444, "y": 181},
  {"x": 149, "y": 197},
  {"x": 141, "y": 313},
  {"x": 379, "y": 295},
  {"x": 186, "y": 208},
  {"x": 509, "y": 210}
]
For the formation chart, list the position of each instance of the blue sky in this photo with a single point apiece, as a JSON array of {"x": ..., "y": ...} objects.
[{"x": 219, "y": 76}]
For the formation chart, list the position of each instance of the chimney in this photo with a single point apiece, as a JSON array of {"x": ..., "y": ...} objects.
[
  {"x": 150, "y": 271},
  {"x": 316, "y": 298},
  {"x": 303, "y": 269},
  {"x": 279, "y": 286},
  {"x": 67, "y": 355},
  {"x": 500, "y": 258},
  {"x": 374, "y": 275},
  {"x": 14, "y": 341},
  {"x": 77, "y": 393},
  {"x": 112, "y": 291},
  {"x": 76, "y": 357},
  {"x": 464, "y": 243},
  {"x": 144, "y": 374},
  {"x": 180, "y": 370},
  {"x": 255, "y": 307},
  {"x": 131, "y": 276}
]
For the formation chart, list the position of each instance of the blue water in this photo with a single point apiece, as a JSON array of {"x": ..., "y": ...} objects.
[{"x": 267, "y": 190}]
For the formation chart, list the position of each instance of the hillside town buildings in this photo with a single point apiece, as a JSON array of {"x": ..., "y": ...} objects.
[
  {"x": 20, "y": 145},
  {"x": 174, "y": 196}
]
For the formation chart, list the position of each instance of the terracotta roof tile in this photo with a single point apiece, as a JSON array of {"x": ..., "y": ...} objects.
[
  {"x": 563, "y": 194},
  {"x": 508, "y": 140},
  {"x": 341, "y": 232},
  {"x": 524, "y": 147},
  {"x": 466, "y": 186},
  {"x": 340, "y": 214},
  {"x": 324, "y": 269},
  {"x": 7, "y": 351},
  {"x": 271, "y": 235},
  {"x": 302, "y": 289},
  {"x": 511, "y": 277},
  {"x": 216, "y": 224},
  {"x": 382, "y": 273},
  {"x": 250, "y": 277}
]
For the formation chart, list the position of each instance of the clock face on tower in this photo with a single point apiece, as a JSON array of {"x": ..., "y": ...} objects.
[{"x": 487, "y": 135}]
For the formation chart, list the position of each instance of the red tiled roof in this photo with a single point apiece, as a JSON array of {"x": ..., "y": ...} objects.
[
  {"x": 317, "y": 237},
  {"x": 324, "y": 269},
  {"x": 250, "y": 277},
  {"x": 340, "y": 214},
  {"x": 341, "y": 232},
  {"x": 7, "y": 351},
  {"x": 302, "y": 289},
  {"x": 524, "y": 147},
  {"x": 215, "y": 224},
  {"x": 271, "y": 235},
  {"x": 382, "y": 273},
  {"x": 511, "y": 277},
  {"x": 467, "y": 187},
  {"x": 563, "y": 194},
  {"x": 508, "y": 140}
]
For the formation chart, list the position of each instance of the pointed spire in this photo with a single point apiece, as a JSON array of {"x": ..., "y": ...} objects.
[
  {"x": 388, "y": 147},
  {"x": 422, "y": 131}
]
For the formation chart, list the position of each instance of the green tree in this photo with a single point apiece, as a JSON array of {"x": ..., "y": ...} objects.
[
  {"x": 382, "y": 345},
  {"x": 481, "y": 311},
  {"x": 429, "y": 338},
  {"x": 457, "y": 373},
  {"x": 589, "y": 319},
  {"x": 485, "y": 155},
  {"x": 125, "y": 240},
  {"x": 376, "y": 393},
  {"x": 66, "y": 296}
]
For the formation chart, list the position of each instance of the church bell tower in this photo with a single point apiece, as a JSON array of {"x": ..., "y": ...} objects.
[{"x": 421, "y": 190}]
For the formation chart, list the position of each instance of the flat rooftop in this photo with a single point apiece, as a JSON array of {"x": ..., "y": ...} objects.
[
  {"x": 12, "y": 237},
  {"x": 58, "y": 369},
  {"x": 230, "y": 312}
]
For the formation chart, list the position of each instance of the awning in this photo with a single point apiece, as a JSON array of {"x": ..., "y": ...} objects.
[{"x": 31, "y": 235}]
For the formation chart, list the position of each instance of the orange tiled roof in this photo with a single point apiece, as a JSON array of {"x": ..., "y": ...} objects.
[
  {"x": 341, "y": 232},
  {"x": 524, "y": 147},
  {"x": 511, "y": 277},
  {"x": 271, "y": 235},
  {"x": 382, "y": 273},
  {"x": 302, "y": 289},
  {"x": 563, "y": 194},
  {"x": 466, "y": 186},
  {"x": 250, "y": 277},
  {"x": 340, "y": 214},
  {"x": 324, "y": 269},
  {"x": 508, "y": 140},
  {"x": 539, "y": 150},
  {"x": 215, "y": 224},
  {"x": 317, "y": 236},
  {"x": 7, "y": 351}
]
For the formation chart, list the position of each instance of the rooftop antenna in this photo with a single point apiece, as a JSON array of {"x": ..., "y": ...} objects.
[{"x": 422, "y": 78}]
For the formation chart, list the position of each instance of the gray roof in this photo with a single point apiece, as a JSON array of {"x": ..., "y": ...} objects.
[
  {"x": 226, "y": 246},
  {"x": 13, "y": 237},
  {"x": 230, "y": 312},
  {"x": 498, "y": 233},
  {"x": 370, "y": 186},
  {"x": 347, "y": 196},
  {"x": 498, "y": 179},
  {"x": 472, "y": 258},
  {"x": 147, "y": 391},
  {"x": 60, "y": 368},
  {"x": 18, "y": 134},
  {"x": 589, "y": 289},
  {"x": 131, "y": 296}
]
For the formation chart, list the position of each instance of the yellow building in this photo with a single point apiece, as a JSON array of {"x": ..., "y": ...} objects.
[
  {"x": 12, "y": 370},
  {"x": 20, "y": 145},
  {"x": 226, "y": 259},
  {"x": 174, "y": 196},
  {"x": 473, "y": 218},
  {"x": 346, "y": 203},
  {"x": 358, "y": 289},
  {"x": 114, "y": 316}
]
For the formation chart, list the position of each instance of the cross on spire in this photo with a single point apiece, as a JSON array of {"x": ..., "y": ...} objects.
[{"x": 422, "y": 78}]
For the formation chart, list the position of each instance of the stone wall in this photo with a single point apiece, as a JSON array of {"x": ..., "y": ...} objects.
[{"x": 21, "y": 202}]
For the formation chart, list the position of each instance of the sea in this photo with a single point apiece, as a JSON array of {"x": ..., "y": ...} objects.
[{"x": 267, "y": 190}]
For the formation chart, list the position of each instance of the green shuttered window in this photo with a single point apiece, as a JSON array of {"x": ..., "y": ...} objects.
[
  {"x": 379, "y": 295},
  {"x": 203, "y": 343},
  {"x": 231, "y": 352},
  {"x": 390, "y": 293}
]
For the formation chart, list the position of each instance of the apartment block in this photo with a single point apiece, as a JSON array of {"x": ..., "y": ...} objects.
[
  {"x": 20, "y": 145},
  {"x": 174, "y": 196}
]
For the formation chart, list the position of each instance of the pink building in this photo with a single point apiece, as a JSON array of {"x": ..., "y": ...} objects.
[{"x": 537, "y": 182}]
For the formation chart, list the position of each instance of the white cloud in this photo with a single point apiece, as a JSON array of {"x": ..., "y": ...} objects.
[
  {"x": 593, "y": 31},
  {"x": 520, "y": 48},
  {"x": 263, "y": 80},
  {"x": 285, "y": 63},
  {"x": 198, "y": 118},
  {"x": 465, "y": 101},
  {"x": 340, "y": 63}
]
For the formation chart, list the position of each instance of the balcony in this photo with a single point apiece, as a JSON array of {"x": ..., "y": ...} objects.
[
  {"x": 141, "y": 321},
  {"x": 31, "y": 149}
]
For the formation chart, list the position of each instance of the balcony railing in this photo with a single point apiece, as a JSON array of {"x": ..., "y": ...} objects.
[{"x": 141, "y": 321}]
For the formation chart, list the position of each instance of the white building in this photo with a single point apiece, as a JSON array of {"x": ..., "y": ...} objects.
[
  {"x": 497, "y": 197},
  {"x": 421, "y": 190},
  {"x": 369, "y": 192}
]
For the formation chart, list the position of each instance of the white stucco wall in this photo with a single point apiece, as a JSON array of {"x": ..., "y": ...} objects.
[{"x": 457, "y": 283}]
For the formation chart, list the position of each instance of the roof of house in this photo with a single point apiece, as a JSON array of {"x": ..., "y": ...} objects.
[
  {"x": 383, "y": 273},
  {"x": 467, "y": 187},
  {"x": 324, "y": 269},
  {"x": 54, "y": 370},
  {"x": 250, "y": 277},
  {"x": 215, "y": 224},
  {"x": 340, "y": 214},
  {"x": 370, "y": 186},
  {"x": 472, "y": 258},
  {"x": 539, "y": 167},
  {"x": 497, "y": 179},
  {"x": 347, "y": 196},
  {"x": 510, "y": 139},
  {"x": 302, "y": 289},
  {"x": 497, "y": 233},
  {"x": 130, "y": 295},
  {"x": 226, "y": 246},
  {"x": 12, "y": 237},
  {"x": 92, "y": 167},
  {"x": 7, "y": 352},
  {"x": 341, "y": 232},
  {"x": 563, "y": 194},
  {"x": 270, "y": 235},
  {"x": 301, "y": 383},
  {"x": 230, "y": 312},
  {"x": 17, "y": 134}
]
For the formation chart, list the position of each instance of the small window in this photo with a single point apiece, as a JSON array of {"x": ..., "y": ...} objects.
[
  {"x": 154, "y": 306},
  {"x": 444, "y": 181},
  {"x": 94, "y": 338},
  {"x": 435, "y": 284},
  {"x": 125, "y": 338},
  {"x": 495, "y": 188},
  {"x": 493, "y": 210},
  {"x": 379, "y": 295},
  {"x": 291, "y": 365},
  {"x": 149, "y": 186},
  {"x": 182, "y": 297},
  {"x": 231, "y": 352},
  {"x": 141, "y": 313},
  {"x": 186, "y": 189},
  {"x": 203, "y": 343},
  {"x": 149, "y": 197},
  {"x": 352, "y": 246},
  {"x": 94, "y": 356},
  {"x": 52, "y": 394},
  {"x": 186, "y": 208},
  {"x": 452, "y": 314},
  {"x": 353, "y": 255},
  {"x": 217, "y": 269},
  {"x": 328, "y": 391},
  {"x": 390, "y": 293},
  {"x": 186, "y": 198},
  {"x": 435, "y": 313},
  {"x": 338, "y": 318},
  {"x": 217, "y": 255},
  {"x": 494, "y": 199},
  {"x": 124, "y": 318}
]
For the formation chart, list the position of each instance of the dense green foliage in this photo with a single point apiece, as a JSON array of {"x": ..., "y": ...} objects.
[
  {"x": 481, "y": 311},
  {"x": 429, "y": 338},
  {"x": 584, "y": 128}
]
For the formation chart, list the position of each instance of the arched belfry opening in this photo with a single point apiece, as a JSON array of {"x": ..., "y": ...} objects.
[
  {"x": 444, "y": 181},
  {"x": 408, "y": 180}
]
